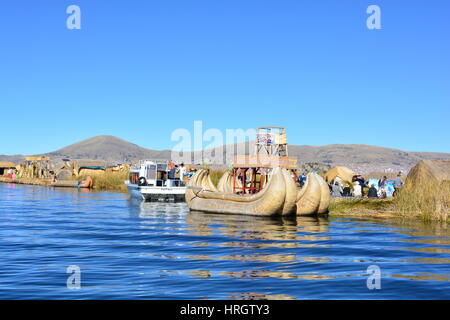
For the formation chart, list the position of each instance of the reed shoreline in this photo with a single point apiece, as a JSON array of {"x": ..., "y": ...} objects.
[
  {"x": 103, "y": 181},
  {"x": 429, "y": 203},
  {"x": 365, "y": 207},
  {"x": 27, "y": 181}
]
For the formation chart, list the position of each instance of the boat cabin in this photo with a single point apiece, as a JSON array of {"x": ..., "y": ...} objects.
[{"x": 153, "y": 174}]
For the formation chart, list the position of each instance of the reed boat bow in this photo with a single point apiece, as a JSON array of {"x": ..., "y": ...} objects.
[
  {"x": 314, "y": 197},
  {"x": 200, "y": 196}
]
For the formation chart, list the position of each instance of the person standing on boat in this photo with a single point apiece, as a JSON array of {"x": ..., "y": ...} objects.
[
  {"x": 182, "y": 172},
  {"x": 170, "y": 181},
  {"x": 170, "y": 165},
  {"x": 302, "y": 179}
]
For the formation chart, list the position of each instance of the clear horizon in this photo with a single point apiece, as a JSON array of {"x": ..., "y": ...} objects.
[{"x": 141, "y": 71}]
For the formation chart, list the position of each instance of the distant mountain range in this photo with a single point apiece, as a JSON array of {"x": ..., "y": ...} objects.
[
  {"x": 108, "y": 148},
  {"x": 361, "y": 158}
]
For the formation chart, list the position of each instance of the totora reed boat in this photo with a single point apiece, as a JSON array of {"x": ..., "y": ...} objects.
[
  {"x": 279, "y": 196},
  {"x": 262, "y": 184}
]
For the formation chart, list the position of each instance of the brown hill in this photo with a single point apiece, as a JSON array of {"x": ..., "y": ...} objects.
[
  {"x": 363, "y": 158},
  {"x": 108, "y": 148},
  {"x": 360, "y": 158}
]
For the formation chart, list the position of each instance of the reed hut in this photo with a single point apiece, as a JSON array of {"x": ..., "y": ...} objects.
[
  {"x": 35, "y": 167},
  {"x": 88, "y": 167},
  {"x": 425, "y": 171},
  {"x": 62, "y": 169},
  {"x": 5, "y": 167},
  {"x": 344, "y": 173}
]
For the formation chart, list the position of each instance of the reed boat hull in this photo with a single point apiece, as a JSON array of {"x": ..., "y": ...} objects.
[
  {"x": 279, "y": 196},
  {"x": 201, "y": 195},
  {"x": 314, "y": 197},
  {"x": 74, "y": 184}
]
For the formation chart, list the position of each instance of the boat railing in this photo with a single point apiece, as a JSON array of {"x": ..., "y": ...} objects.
[
  {"x": 156, "y": 161},
  {"x": 247, "y": 161}
]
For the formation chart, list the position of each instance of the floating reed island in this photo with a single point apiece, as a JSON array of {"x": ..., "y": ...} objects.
[
  {"x": 425, "y": 196},
  {"x": 88, "y": 174}
]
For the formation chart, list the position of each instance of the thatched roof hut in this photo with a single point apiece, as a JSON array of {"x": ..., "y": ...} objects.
[
  {"x": 79, "y": 165},
  {"x": 5, "y": 166},
  {"x": 342, "y": 172},
  {"x": 429, "y": 171}
]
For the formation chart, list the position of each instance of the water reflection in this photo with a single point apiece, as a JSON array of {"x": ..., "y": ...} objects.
[
  {"x": 241, "y": 239},
  {"x": 258, "y": 228},
  {"x": 259, "y": 296},
  {"x": 253, "y": 235},
  {"x": 423, "y": 276},
  {"x": 149, "y": 210},
  {"x": 161, "y": 250},
  {"x": 253, "y": 274},
  {"x": 290, "y": 248}
]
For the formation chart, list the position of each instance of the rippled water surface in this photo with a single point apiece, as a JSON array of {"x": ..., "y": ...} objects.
[{"x": 129, "y": 250}]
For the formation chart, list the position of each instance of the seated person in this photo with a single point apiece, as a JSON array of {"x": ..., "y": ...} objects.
[
  {"x": 336, "y": 190},
  {"x": 382, "y": 183},
  {"x": 346, "y": 191},
  {"x": 357, "y": 190},
  {"x": 373, "y": 193}
]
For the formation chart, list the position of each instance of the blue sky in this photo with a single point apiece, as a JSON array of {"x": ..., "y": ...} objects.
[{"x": 141, "y": 69}]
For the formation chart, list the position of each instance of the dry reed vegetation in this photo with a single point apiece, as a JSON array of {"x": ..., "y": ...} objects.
[
  {"x": 108, "y": 180},
  {"x": 430, "y": 199},
  {"x": 359, "y": 206}
]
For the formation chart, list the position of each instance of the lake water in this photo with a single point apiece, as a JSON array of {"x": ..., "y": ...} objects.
[{"x": 127, "y": 250}]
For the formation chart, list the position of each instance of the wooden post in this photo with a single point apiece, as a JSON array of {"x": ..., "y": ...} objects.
[
  {"x": 244, "y": 176},
  {"x": 234, "y": 180},
  {"x": 252, "y": 181}
]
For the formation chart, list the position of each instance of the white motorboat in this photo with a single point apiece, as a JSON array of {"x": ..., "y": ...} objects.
[{"x": 150, "y": 181}]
